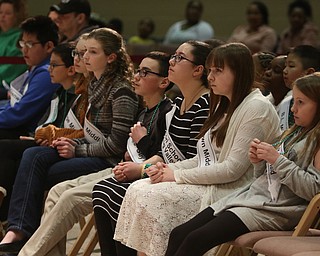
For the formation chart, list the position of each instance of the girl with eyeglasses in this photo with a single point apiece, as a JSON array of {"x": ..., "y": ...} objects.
[
  {"x": 76, "y": 201},
  {"x": 70, "y": 200},
  {"x": 177, "y": 143},
  {"x": 177, "y": 191},
  {"x": 111, "y": 112}
]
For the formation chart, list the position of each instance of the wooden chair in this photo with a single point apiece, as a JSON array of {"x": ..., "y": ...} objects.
[
  {"x": 244, "y": 244},
  {"x": 288, "y": 245},
  {"x": 87, "y": 228},
  {"x": 306, "y": 236}
]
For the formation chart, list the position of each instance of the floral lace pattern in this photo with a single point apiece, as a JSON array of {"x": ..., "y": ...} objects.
[{"x": 150, "y": 211}]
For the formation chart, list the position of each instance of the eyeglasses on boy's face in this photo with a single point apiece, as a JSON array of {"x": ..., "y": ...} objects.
[
  {"x": 28, "y": 44},
  {"x": 177, "y": 58},
  {"x": 75, "y": 53},
  {"x": 145, "y": 72},
  {"x": 54, "y": 65}
]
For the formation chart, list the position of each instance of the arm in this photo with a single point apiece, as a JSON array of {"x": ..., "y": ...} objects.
[
  {"x": 310, "y": 35},
  {"x": 303, "y": 182},
  {"x": 169, "y": 34},
  {"x": 124, "y": 110},
  {"x": 256, "y": 122},
  {"x": 269, "y": 40},
  {"x": 205, "y": 31},
  {"x": 33, "y": 103},
  {"x": 150, "y": 145}
]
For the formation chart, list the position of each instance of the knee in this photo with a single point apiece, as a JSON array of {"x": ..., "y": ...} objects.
[
  {"x": 31, "y": 152},
  {"x": 96, "y": 195},
  {"x": 57, "y": 190},
  {"x": 176, "y": 235}
]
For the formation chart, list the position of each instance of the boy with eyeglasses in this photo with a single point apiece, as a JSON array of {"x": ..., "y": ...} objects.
[{"x": 30, "y": 93}]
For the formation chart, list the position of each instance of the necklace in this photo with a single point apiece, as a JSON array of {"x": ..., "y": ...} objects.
[
  {"x": 191, "y": 102},
  {"x": 285, "y": 139},
  {"x": 152, "y": 117}
]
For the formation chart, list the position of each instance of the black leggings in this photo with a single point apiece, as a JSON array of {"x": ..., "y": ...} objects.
[
  {"x": 203, "y": 232},
  {"x": 106, "y": 227}
]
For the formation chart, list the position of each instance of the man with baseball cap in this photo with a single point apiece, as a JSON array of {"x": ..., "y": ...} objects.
[{"x": 73, "y": 18}]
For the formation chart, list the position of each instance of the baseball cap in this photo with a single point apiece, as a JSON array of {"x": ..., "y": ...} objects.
[{"x": 68, "y": 6}]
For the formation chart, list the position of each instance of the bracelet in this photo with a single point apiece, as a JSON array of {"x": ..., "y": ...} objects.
[{"x": 143, "y": 173}]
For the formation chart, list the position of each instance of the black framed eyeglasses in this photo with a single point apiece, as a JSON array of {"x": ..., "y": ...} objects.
[
  {"x": 177, "y": 58},
  {"x": 29, "y": 45},
  {"x": 54, "y": 65},
  {"x": 75, "y": 53},
  {"x": 145, "y": 72}
]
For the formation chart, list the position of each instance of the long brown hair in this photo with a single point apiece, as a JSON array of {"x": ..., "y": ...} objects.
[
  {"x": 310, "y": 86},
  {"x": 112, "y": 42},
  {"x": 238, "y": 57}
]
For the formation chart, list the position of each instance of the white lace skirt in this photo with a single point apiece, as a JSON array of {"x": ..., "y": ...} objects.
[{"x": 150, "y": 211}]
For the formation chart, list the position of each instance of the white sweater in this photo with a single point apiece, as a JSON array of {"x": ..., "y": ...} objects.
[{"x": 255, "y": 117}]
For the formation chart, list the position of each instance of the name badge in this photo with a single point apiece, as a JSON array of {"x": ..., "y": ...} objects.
[
  {"x": 206, "y": 153},
  {"x": 91, "y": 132},
  {"x": 134, "y": 152},
  {"x": 284, "y": 111}
]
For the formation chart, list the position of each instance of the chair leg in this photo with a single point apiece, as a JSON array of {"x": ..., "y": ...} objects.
[
  {"x": 92, "y": 244},
  {"x": 224, "y": 250},
  {"x": 231, "y": 250},
  {"x": 82, "y": 237},
  {"x": 82, "y": 222}
]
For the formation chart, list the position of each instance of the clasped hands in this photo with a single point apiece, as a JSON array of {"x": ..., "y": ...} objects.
[
  {"x": 160, "y": 172},
  {"x": 65, "y": 147},
  {"x": 130, "y": 171},
  {"x": 262, "y": 151}
]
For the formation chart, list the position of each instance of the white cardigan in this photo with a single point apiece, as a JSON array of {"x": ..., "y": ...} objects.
[{"x": 255, "y": 117}]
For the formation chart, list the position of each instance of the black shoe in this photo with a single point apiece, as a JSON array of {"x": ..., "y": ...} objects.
[{"x": 13, "y": 247}]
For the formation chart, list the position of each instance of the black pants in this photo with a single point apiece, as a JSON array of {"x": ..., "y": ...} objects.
[
  {"x": 106, "y": 227},
  {"x": 12, "y": 134},
  {"x": 10, "y": 155},
  {"x": 203, "y": 232}
]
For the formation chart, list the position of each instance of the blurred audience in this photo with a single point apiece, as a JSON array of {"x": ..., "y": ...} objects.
[
  {"x": 301, "y": 30},
  {"x": 146, "y": 27},
  {"x": 256, "y": 34},
  {"x": 116, "y": 24},
  {"x": 191, "y": 28},
  {"x": 12, "y": 13},
  {"x": 274, "y": 82},
  {"x": 262, "y": 62},
  {"x": 73, "y": 18}
]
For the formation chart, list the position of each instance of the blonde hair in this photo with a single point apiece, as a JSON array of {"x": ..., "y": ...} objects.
[{"x": 310, "y": 86}]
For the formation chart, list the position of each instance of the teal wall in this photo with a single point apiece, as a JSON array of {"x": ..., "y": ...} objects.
[{"x": 224, "y": 15}]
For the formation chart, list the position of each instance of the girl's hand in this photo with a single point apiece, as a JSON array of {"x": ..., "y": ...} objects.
[
  {"x": 118, "y": 173},
  {"x": 127, "y": 157},
  {"x": 160, "y": 173},
  {"x": 137, "y": 132},
  {"x": 65, "y": 147},
  {"x": 42, "y": 142},
  {"x": 127, "y": 171},
  {"x": 253, "y": 151},
  {"x": 267, "y": 152}
]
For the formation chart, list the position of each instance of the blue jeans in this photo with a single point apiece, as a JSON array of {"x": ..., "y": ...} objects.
[{"x": 39, "y": 170}]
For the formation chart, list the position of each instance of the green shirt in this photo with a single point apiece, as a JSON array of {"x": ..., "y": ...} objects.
[{"x": 8, "y": 47}]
